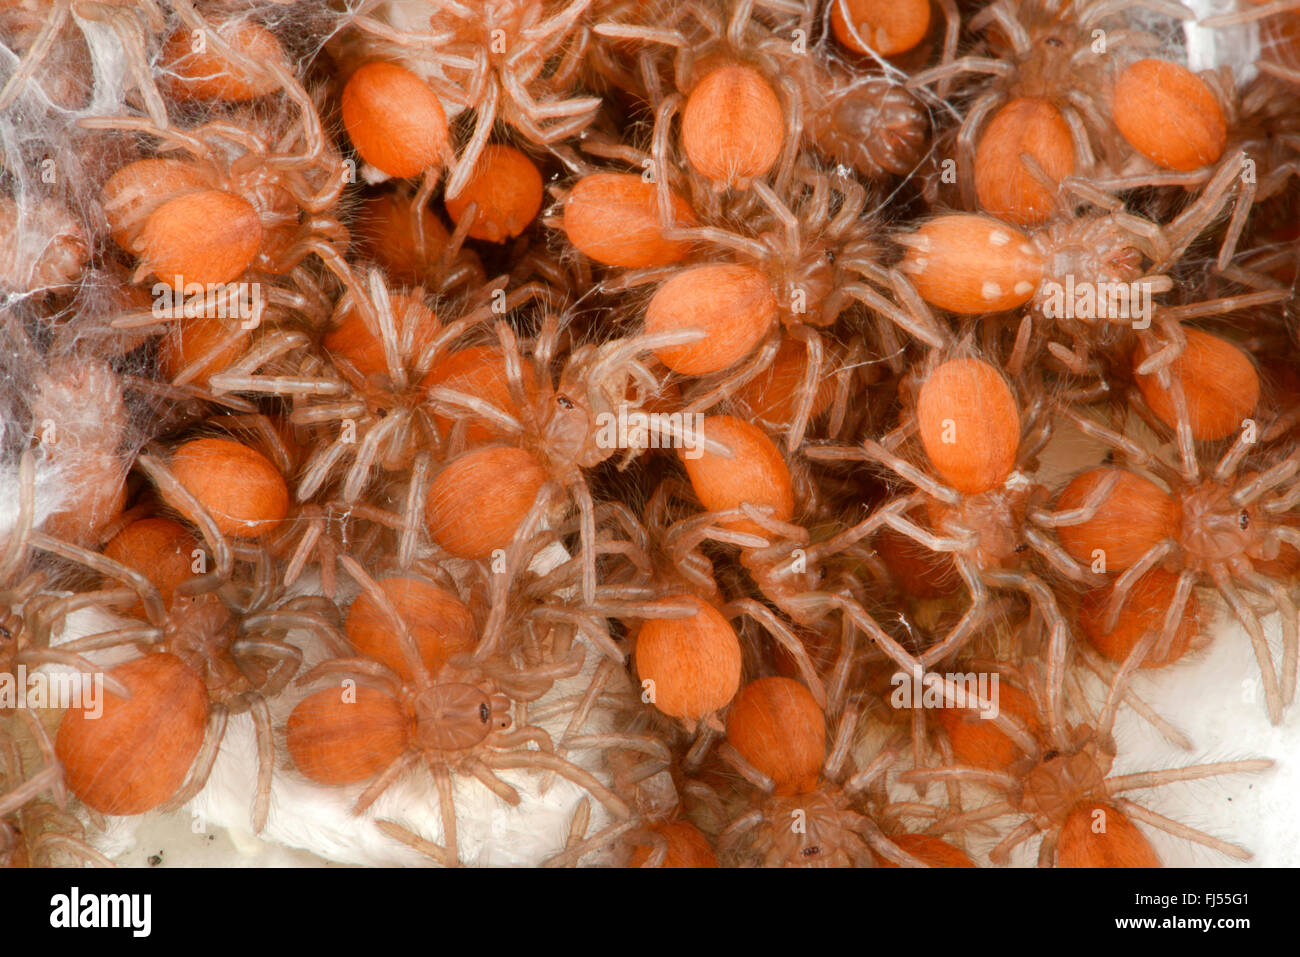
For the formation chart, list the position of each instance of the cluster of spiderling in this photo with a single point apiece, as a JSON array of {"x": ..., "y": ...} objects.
[{"x": 642, "y": 394}]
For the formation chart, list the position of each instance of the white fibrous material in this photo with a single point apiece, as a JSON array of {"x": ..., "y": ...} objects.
[{"x": 1237, "y": 47}]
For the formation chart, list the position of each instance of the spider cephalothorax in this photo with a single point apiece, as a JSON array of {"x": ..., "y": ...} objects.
[
  {"x": 1214, "y": 528},
  {"x": 1061, "y": 780},
  {"x": 820, "y": 829},
  {"x": 457, "y": 716}
]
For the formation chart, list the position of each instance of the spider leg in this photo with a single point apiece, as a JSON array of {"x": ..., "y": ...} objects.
[
  {"x": 841, "y": 745},
  {"x": 410, "y": 650},
  {"x": 261, "y": 715},
  {"x": 566, "y": 769},
  {"x": 286, "y": 656},
  {"x": 786, "y": 639},
  {"x": 859, "y": 616},
  {"x": 1084, "y": 157},
  {"x": 127, "y": 28},
  {"x": 979, "y": 609},
  {"x": 886, "y": 848},
  {"x": 1107, "y": 675},
  {"x": 1047, "y": 848},
  {"x": 807, "y": 392},
  {"x": 575, "y": 851},
  {"x": 1130, "y": 576},
  {"x": 319, "y": 468},
  {"x": 486, "y": 112},
  {"x": 494, "y": 784},
  {"x": 372, "y": 673},
  {"x": 734, "y": 379},
  {"x": 36, "y": 784},
  {"x": 1290, "y": 74},
  {"x": 741, "y": 766},
  {"x": 1153, "y": 779},
  {"x": 446, "y": 808},
  {"x": 1056, "y": 556},
  {"x": 970, "y": 128},
  {"x": 587, "y": 536},
  {"x": 959, "y": 821},
  {"x": 1001, "y": 854},
  {"x": 139, "y": 634},
  {"x": 871, "y": 774},
  {"x": 180, "y": 498},
  {"x": 1248, "y": 492},
  {"x": 58, "y": 790},
  {"x": 1250, "y": 621},
  {"x": 1119, "y": 682},
  {"x": 1020, "y": 350},
  {"x": 1240, "y": 213},
  {"x": 435, "y": 852},
  {"x": 1174, "y": 614},
  {"x": 143, "y": 588},
  {"x": 201, "y": 769},
  {"x": 994, "y": 779},
  {"x": 733, "y": 832},
  {"x": 1139, "y": 813},
  {"x": 18, "y": 537},
  {"x": 58, "y": 15},
  {"x": 35, "y": 657},
  {"x": 1290, "y": 639},
  {"x": 919, "y": 741},
  {"x": 843, "y": 670},
  {"x": 966, "y": 64},
  {"x": 921, "y": 325},
  {"x": 384, "y": 781},
  {"x": 628, "y": 742},
  {"x": 951, "y": 33},
  {"x": 75, "y": 847},
  {"x": 911, "y": 473},
  {"x": 1133, "y": 452}
]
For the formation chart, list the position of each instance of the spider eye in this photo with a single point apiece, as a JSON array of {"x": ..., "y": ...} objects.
[
  {"x": 1054, "y": 42},
  {"x": 1050, "y": 755},
  {"x": 1021, "y": 547},
  {"x": 484, "y": 713},
  {"x": 564, "y": 402},
  {"x": 1243, "y": 520},
  {"x": 810, "y": 851}
]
